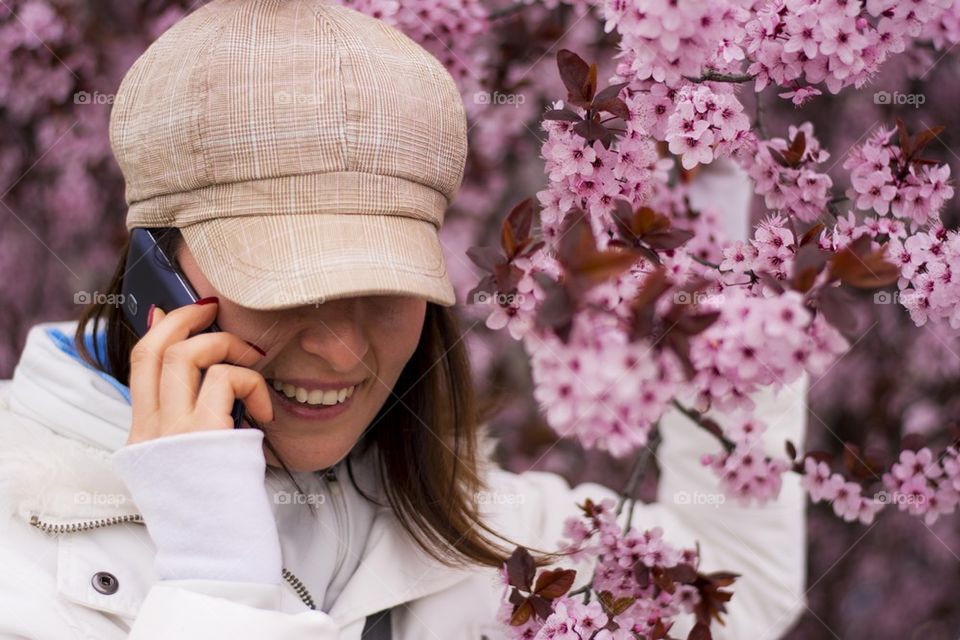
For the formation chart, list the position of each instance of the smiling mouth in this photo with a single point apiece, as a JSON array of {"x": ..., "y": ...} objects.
[{"x": 313, "y": 397}]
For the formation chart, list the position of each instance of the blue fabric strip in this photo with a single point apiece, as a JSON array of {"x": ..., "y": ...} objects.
[{"x": 65, "y": 344}]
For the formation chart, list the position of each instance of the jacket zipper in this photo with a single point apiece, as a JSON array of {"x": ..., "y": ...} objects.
[
  {"x": 340, "y": 514},
  {"x": 75, "y": 527},
  {"x": 299, "y": 587}
]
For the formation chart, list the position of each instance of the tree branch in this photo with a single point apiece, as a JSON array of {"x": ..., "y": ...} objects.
[
  {"x": 712, "y": 76},
  {"x": 701, "y": 421}
]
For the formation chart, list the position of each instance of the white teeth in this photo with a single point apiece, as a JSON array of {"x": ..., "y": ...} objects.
[{"x": 317, "y": 396}]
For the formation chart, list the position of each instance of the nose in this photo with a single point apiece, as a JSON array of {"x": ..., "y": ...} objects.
[{"x": 336, "y": 332}]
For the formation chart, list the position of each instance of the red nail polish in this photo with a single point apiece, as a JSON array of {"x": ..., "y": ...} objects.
[
  {"x": 150, "y": 315},
  {"x": 208, "y": 300},
  {"x": 259, "y": 350}
]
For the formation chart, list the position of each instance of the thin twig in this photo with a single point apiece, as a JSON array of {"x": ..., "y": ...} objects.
[
  {"x": 698, "y": 419},
  {"x": 760, "y": 129},
  {"x": 628, "y": 495},
  {"x": 506, "y": 12}
]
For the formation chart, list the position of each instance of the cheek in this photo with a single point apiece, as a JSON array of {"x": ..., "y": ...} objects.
[
  {"x": 396, "y": 334},
  {"x": 255, "y": 326}
]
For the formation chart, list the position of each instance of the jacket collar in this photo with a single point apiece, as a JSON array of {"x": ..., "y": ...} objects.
[{"x": 61, "y": 421}]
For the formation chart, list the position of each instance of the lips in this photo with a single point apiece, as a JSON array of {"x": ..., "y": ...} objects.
[
  {"x": 331, "y": 396},
  {"x": 312, "y": 413}
]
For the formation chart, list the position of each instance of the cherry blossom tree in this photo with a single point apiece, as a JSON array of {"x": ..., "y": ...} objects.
[{"x": 612, "y": 271}]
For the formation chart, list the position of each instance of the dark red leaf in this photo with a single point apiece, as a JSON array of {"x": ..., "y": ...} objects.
[
  {"x": 683, "y": 573},
  {"x": 609, "y": 92},
  {"x": 485, "y": 257},
  {"x": 791, "y": 450},
  {"x": 578, "y": 77},
  {"x": 700, "y": 631},
  {"x": 590, "y": 130},
  {"x": 858, "y": 266},
  {"x": 521, "y": 614},
  {"x": 836, "y": 304},
  {"x": 562, "y": 114},
  {"x": 770, "y": 281},
  {"x": 554, "y": 583},
  {"x": 904, "y": 138},
  {"x": 542, "y": 607},
  {"x": 515, "y": 230},
  {"x": 811, "y": 234},
  {"x": 615, "y": 106},
  {"x": 807, "y": 265},
  {"x": 521, "y": 569},
  {"x": 913, "y": 442}
]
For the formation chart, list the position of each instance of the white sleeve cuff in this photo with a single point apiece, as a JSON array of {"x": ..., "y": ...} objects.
[{"x": 204, "y": 501}]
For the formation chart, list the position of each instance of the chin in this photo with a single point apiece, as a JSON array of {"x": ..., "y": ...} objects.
[{"x": 309, "y": 452}]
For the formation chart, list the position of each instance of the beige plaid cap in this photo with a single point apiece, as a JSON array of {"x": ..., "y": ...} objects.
[{"x": 306, "y": 151}]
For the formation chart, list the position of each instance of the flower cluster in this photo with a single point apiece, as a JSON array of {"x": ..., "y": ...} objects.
[
  {"x": 516, "y": 310},
  {"x": 845, "y": 496},
  {"x": 924, "y": 486},
  {"x": 590, "y": 177},
  {"x": 666, "y": 41},
  {"x": 640, "y": 584},
  {"x": 848, "y": 228},
  {"x": 599, "y": 388},
  {"x": 705, "y": 125},
  {"x": 746, "y": 472},
  {"x": 798, "y": 44},
  {"x": 785, "y": 173},
  {"x": 917, "y": 483},
  {"x": 756, "y": 342},
  {"x": 944, "y": 30},
  {"x": 885, "y": 180},
  {"x": 929, "y": 286},
  {"x": 771, "y": 250}
]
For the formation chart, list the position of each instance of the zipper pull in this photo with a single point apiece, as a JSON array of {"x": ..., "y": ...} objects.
[{"x": 331, "y": 476}]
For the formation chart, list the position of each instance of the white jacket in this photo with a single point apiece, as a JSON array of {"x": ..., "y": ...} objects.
[{"x": 78, "y": 563}]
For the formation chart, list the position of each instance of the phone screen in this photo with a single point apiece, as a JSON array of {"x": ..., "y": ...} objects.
[{"x": 152, "y": 278}]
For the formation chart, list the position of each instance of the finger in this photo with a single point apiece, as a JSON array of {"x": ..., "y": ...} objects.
[
  {"x": 144, "y": 383},
  {"x": 184, "y": 361},
  {"x": 225, "y": 383},
  {"x": 146, "y": 357}
]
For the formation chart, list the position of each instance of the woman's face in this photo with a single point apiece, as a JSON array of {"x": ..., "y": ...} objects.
[{"x": 366, "y": 339}]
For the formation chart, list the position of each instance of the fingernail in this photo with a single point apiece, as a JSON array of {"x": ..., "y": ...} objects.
[
  {"x": 259, "y": 350},
  {"x": 208, "y": 300},
  {"x": 150, "y": 315}
]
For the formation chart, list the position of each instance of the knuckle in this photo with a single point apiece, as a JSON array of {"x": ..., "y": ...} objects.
[
  {"x": 175, "y": 353},
  {"x": 141, "y": 352},
  {"x": 219, "y": 373}
]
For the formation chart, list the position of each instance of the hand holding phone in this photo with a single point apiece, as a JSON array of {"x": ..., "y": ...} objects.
[{"x": 197, "y": 367}]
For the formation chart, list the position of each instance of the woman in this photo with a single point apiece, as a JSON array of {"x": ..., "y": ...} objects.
[{"x": 301, "y": 156}]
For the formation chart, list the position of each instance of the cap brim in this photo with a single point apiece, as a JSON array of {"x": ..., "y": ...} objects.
[{"x": 277, "y": 262}]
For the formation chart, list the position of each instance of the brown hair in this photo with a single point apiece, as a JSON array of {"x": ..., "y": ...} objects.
[{"x": 431, "y": 473}]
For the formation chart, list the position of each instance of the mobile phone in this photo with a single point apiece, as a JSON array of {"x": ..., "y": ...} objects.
[{"x": 152, "y": 277}]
